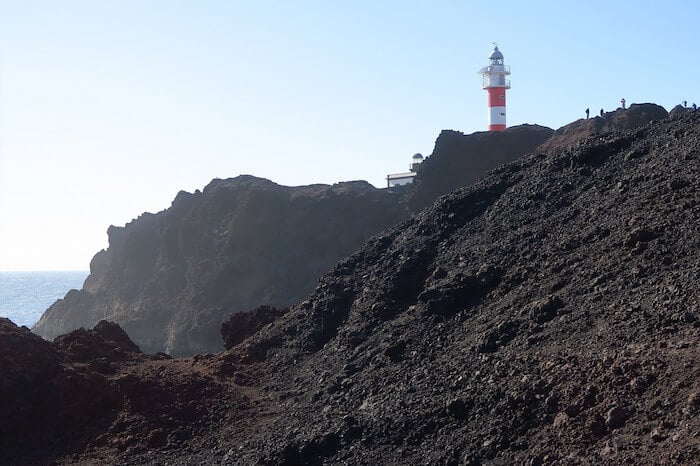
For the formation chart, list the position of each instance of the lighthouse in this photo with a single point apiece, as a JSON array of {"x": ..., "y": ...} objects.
[{"x": 495, "y": 83}]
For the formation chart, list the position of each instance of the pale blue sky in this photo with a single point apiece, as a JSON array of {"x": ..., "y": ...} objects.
[{"x": 109, "y": 108}]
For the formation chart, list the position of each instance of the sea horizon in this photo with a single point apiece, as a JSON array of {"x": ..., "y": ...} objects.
[
  {"x": 42, "y": 270},
  {"x": 26, "y": 294}
]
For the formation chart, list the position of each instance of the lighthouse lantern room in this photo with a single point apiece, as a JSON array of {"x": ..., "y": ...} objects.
[{"x": 495, "y": 83}]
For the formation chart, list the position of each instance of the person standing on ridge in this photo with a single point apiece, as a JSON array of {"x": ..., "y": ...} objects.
[
  {"x": 587, "y": 112},
  {"x": 601, "y": 112},
  {"x": 685, "y": 104},
  {"x": 623, "y": 101}
]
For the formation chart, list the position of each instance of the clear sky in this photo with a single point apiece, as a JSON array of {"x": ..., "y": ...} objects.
[{"x": 109, "y": 108}]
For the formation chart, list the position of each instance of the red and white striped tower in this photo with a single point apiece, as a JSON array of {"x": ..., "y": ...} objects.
[{"x": 495, "y": 83}]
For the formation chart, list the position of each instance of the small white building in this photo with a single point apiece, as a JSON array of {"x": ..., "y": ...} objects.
[{"x": 400, "y": 179}]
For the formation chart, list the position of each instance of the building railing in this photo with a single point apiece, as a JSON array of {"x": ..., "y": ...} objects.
[
  {"x": 496, "y": 69},
  {"x": 494, "y": 81}
]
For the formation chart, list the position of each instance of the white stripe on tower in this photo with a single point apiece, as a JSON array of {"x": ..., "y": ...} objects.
[{"x": 497, "y": 115}]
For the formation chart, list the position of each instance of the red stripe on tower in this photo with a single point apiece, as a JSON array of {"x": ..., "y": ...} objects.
[
  {"x": 497, "y": 97},
  {"x": 495, "y": 83}
]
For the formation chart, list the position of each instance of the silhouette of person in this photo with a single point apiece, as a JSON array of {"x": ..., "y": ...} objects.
[
  {"x": 601, "y": 112},
  {"x": 587, "y": 112},
  {"x": 685, "y": 103},
  {"x": 623, "y": 101}
]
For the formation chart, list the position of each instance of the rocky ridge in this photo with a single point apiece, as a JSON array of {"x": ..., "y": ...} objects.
[
  {"x": 171, "y": 278},
  {"x": 459, "y": 160},
  {"x": 636, "y": 116},
  {"x": 548, "y": 314}
]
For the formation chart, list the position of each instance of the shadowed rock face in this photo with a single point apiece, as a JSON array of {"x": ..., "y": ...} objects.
[
  {"x": 459, "y": 160},
  {"x": 45, "y": 402},
  {"x": 241, "y": 325},
  {"x": 169, "y": 279},
  {"x": 548, "y": 314},
  {"x": 94, "y": 390}
]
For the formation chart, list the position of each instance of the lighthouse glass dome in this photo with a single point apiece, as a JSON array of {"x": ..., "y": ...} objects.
[{"x": 496, "y": 56}]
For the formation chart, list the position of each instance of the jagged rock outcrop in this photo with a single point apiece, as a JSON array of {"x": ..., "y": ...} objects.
[
  {"x": 94, "y": 390},
  {"x": 679, "y": 110},
  {"x": 45, "y": 404},
  {"x": 170, "y": 279},
  {"x": 105, "y": 342},
  {"x": 548, "y": 314},
  {"x": 459, "y": 160},
  {"x": 241, "y": 325}
]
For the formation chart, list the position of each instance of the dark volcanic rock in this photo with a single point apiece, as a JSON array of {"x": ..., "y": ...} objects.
[
  {"x": 106, "y": 340},
  {"x": 46, "y": 405},
  {"x": 546, "y": 315},
  {"x": 459, "y": 160},
  {"x": 536, "y": 317},
  {"x": 93, "y": 389},
  {"x": 634, "y": 117},
  {"x": 679, "y": 110},
  {"x": 170, "y": 279},
  {"x": 243, "y": 324}
]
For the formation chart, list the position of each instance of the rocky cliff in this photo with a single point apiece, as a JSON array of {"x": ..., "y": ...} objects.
[
  {"x": 169, "y": 279},
  {"x": 548, "y": 314},
  {"x": 459, "y": 160}
]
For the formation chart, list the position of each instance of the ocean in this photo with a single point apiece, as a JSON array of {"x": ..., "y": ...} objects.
[{"x": 24, "y": 296}]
